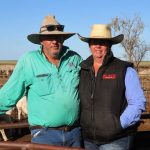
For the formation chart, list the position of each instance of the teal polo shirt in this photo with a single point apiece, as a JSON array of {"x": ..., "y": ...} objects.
[{"x": 53, "y": 98}]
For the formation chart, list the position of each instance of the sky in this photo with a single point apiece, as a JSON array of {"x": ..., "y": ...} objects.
[{"x": 19, "y": 18}]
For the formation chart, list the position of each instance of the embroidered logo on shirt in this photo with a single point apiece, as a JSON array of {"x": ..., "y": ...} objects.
[
  {"x": 71, "y": 65},
  {"x": 109, "y": 76}
]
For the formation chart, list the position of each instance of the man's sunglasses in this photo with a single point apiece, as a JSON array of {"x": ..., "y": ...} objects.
[{"x": 53, "y": 28}]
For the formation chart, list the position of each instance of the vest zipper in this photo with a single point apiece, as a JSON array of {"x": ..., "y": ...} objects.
[
  {"x": 94, "y": 78},
  {"x": 92, "y": 100}
]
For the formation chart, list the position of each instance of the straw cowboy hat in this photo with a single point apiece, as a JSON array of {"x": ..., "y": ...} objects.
[
  {"x": 103, "y": 32},
  {"x": 49, "y": 27}
]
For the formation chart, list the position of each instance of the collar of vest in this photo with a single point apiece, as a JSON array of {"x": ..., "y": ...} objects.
[{"x": 88, "y": 63}]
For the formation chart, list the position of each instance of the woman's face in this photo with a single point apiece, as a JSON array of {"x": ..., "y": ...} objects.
[{"x": 99, "y": 48}]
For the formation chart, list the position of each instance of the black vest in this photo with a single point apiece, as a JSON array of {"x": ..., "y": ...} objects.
[{"x": 103, "y": 99}]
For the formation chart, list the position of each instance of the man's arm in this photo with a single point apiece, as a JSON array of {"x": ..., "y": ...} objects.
[{"x": 13, "y": 89}]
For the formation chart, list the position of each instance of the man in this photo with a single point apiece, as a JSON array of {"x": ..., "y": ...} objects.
[
  {"x": 112, "y": 99},
  {"x": 50, "y": 77}
]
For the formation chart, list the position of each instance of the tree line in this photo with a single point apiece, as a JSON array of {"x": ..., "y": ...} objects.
[{"x": 134, "y": 46}]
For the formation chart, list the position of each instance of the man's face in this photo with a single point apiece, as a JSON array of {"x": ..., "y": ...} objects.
[
  {"x": 99, "y": 48},
  {"x": 52, "y": 45}
]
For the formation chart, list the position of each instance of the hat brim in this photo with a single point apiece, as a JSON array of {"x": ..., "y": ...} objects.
[
  {"x": 113, "y": 40},
  {"x": 35, "y": 38}
]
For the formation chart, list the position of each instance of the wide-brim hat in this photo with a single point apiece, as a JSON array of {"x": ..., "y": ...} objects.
[
  {"x": 102, "y": 32},
  {"x": 50, "y": 26}
]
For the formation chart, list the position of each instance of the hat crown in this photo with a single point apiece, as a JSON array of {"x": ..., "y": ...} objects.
[
  {"x": 50, "y": 20},
  {"x": 101, "y": 31}
]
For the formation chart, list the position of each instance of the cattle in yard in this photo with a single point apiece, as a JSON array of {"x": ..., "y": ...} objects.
[
  {"x": 22, "y": 108},
  {"x": 17, "y": 113}
]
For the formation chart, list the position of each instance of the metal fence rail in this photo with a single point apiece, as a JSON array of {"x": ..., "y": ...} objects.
[
  {"x": 14, "y": 125},
  {"x": 30, "y": 146}
]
